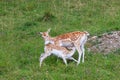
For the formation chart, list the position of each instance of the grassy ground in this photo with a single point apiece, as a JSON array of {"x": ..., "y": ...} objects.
[{"x": 21, "y": 46}]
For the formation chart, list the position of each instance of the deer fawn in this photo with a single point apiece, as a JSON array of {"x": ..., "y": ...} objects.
[
  {"x": 75, "y": 39},
  {"x": 59, "y": 51}
]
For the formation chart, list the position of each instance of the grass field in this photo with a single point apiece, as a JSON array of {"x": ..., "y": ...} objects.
[{"x": 21, "y": 45}]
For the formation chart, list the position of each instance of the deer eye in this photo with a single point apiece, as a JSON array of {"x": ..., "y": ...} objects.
[{"x": 44, "y": 35}]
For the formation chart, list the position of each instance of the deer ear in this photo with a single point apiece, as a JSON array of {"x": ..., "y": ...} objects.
[
  {"x": 41, "y": 33},
  {"x": 49, "y": 30}
]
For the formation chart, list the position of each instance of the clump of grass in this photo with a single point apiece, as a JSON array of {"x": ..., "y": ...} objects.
[{"x": 48, "y": 16}]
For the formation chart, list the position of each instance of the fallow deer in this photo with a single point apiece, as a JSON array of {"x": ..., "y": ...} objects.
[
  {"x": 59, "y": 51},
  {"x": 75, "y": 39}
]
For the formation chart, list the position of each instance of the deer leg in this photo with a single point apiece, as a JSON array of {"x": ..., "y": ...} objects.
[
  {"x": 83, "y": 52},
  {"x": 79, "y": 53},
  {"x": 42, "y": 57},
  {"x": 82, "y": 48},
  {"x": 65, "y": 61},
  {"x": 71, "y": 58}
]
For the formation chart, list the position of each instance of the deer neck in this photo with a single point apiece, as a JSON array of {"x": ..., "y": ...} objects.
[{"x": 49, "y": 40}]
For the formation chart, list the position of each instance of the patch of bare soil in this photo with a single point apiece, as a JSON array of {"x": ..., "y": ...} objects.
[{"x": 106, "y": 43}]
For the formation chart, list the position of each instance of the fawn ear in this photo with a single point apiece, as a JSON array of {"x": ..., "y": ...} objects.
[
  {"x": 49, "y": 30},
  {"x": 40, "y": 33}
]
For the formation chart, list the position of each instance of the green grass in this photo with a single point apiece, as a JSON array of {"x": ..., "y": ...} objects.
[{"x": 21, "y": 45}]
